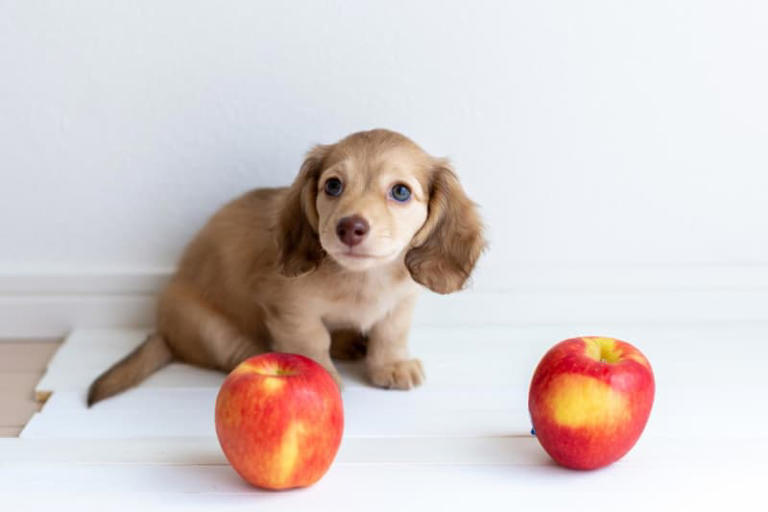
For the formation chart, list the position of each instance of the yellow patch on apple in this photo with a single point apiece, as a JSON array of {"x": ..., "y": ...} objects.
[{"x": 580, "y": 401}]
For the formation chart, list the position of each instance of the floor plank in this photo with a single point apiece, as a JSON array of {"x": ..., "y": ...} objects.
[
  {"x": 16, "y": 408},
  {"x": 477, "y": 383},
  {"x": 10, "y": 431},
  {"x": 650, "y": 451},
  {"x": 22, "y": 363},
  {"x": 398, "y": 486},
  {"x": 22, "y": 383},
  {"x": 26, "y": 356}
]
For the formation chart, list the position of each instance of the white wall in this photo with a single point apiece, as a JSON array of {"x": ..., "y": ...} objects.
[{"x": 591, "y": 133}]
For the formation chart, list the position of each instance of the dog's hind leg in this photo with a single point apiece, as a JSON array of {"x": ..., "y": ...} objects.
[{"x": 199, "y": 334}]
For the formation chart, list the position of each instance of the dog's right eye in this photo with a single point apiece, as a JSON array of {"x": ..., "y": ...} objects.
[{"x": 334, "y": 187}]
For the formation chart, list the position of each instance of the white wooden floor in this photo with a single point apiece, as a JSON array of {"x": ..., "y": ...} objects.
[{"x": 460, "y": 442}]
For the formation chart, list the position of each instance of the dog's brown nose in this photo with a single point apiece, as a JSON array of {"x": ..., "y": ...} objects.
[{"x": 351, "y": 230}]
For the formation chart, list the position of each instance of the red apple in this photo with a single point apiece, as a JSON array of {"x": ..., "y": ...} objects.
[
  {"x": 279, "y": 420},
  {"x": 589, "y": 400}
]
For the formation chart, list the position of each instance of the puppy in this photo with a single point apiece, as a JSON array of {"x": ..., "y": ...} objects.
[{"x": 330, "y": 265}]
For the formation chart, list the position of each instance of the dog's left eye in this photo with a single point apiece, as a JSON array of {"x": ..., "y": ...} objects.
[
  {"x": 400, "y": 192},
  {"x": 334, "y": 187}
]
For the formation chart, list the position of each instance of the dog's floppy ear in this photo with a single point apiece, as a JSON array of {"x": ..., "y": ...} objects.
[
  {"x": 299, "y": 246},
  {"x": 445, "y": 249}
]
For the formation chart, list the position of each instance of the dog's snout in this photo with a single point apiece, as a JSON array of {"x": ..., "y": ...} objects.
[{"x": 352, "y": 230}]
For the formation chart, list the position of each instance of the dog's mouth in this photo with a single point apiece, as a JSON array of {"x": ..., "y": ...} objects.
[
  {"x": 357, "y": 255},
  {"x": 362, "y": 256},
  {"x": 354, "y": 258}
]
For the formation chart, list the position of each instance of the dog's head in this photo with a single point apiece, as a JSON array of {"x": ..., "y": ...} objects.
[{"x": 375, "y": 197}]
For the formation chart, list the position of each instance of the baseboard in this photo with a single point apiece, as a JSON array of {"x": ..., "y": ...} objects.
[{"x": 51, "y": 304}]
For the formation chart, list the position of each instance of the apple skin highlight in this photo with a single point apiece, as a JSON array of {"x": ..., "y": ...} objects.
[{"x": 590, "y": 399}]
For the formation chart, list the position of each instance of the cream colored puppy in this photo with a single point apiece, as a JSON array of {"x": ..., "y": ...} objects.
[{"x": 331, "y": 265}]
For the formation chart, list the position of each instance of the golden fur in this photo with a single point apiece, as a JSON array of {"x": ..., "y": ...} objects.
[{"x": 269, "y": 273}]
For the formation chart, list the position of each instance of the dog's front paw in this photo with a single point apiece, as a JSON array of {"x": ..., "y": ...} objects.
[{"x": 397, "y": 375}]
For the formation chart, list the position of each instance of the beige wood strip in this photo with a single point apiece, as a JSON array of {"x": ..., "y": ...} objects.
[
  {"x": 19, "y": 382},
  {"x": 22, "y": 363},
  {"x": 26, "y": 356},
  {"x": 10, "y": 431},
  {"x": 16, "y": 409}
]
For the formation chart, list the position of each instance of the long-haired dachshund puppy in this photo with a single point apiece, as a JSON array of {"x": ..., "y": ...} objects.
[{"x": 330, "y": 266}]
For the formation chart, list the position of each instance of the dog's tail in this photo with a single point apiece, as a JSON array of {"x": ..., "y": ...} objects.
[{"x": 148, "y": 357}]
